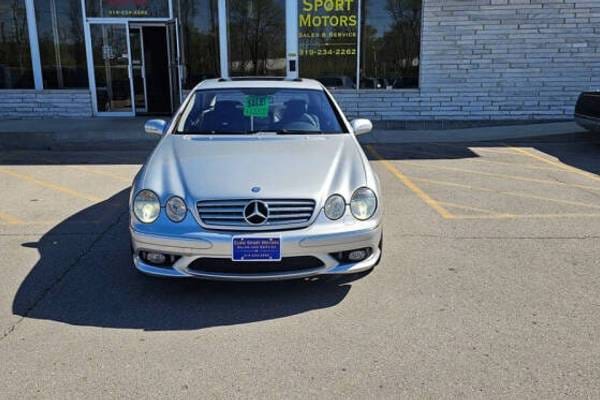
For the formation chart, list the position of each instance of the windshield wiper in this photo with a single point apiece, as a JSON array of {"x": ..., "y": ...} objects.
[
  {"x": 215, "y": 133},
  {"x": 285, "y": 132}
]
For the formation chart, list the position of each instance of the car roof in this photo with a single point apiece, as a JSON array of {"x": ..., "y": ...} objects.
[{"x": 259, "y": 82}]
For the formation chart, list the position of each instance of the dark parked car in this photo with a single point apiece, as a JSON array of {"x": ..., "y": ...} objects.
[{"x": 587, "y": 111}]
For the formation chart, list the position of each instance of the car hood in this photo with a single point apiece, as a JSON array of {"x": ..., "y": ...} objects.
[{"x": 283, "y": 166}]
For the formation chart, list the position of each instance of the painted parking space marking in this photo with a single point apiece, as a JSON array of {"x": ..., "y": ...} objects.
[
  {"x": 50, "y": 222},
  {"x": 558, "y": 164},
  {"x": 49, "y": 185},
  {"x": 90, "y": 169},
  {"x": 458, "y": 161},
  {"x": 9, "y": 219},
  {"x": 530, "y": 216},
  {"x": 503, "y": 176},
  {"x": 411, "y": 185},
  {"x": 101, "y": 173},
  {"x": 473, "y": 209},
  {"x": 479, "y": 160},
  {"x": 506, "y": 193}
]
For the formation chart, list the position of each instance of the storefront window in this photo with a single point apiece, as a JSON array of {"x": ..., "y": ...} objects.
[
  {"x": 15, "y": 55},
  {"x": 327, "y": 41},
  {"x": 128, "y": 8},
  {"x": 256, "y": 37},
  {"x": 391, "y": 40},
  {"x": 62, "y": 49},
  {"x": 199, "y": 39}
]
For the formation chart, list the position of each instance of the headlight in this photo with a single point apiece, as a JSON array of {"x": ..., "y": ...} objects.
[
  {"x": 176, "y": 209},
  {"x": 335, "y": 206},
  {"x": 146, "y": 206},
  {"x": 363, "y": 203}
]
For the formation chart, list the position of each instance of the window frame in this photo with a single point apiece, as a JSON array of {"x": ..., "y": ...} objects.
[{"x": 34, "y": 45}]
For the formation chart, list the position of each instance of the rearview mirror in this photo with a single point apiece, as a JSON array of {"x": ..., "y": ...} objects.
[
  {"x": 361, "y": 125},
  {"x": 156, "y": 126}
]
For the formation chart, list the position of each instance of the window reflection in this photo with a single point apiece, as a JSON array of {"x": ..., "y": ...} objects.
[
  {"x": 199, "y": 39},
  {"x": 256, "y": 37},
  {"x": 391, "y": 40},
  {"x": 62, "y": 50},
  {"x": 15, "y": 56}
]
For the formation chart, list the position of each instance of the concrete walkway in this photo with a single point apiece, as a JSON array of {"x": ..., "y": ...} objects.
[{"x": 100, "y": 133}]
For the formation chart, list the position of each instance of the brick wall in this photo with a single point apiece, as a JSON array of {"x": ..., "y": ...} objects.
[
  {"x": 44, "y": 104},
  {"x": 495, "y": 60}
]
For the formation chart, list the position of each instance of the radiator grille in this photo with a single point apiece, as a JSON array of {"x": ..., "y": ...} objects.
[{"x": 282, "y": 213}]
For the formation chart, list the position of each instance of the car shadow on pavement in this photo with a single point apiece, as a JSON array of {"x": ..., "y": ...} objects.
[{"x": 85, "y": 277}]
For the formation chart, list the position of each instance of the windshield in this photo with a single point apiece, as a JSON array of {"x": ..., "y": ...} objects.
[{"x": 251, "y": 110}]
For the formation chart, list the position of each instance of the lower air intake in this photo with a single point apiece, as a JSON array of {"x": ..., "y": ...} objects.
[{"x": 226, "y": 266}]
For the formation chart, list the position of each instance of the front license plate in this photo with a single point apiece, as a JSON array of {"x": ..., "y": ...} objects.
[{"x": 256, "y": 249}]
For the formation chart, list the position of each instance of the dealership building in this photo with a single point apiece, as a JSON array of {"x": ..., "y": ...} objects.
[{"x": 388, "y": 60}]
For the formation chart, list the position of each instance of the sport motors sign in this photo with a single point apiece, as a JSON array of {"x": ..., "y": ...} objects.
[{"x": 328, "y": 28}]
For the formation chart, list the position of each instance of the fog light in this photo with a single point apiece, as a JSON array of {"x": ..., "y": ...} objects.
[
  {"x": 352, "y": 256},
  {"x": 156, "y": 258},
  {"x": 357, "y": 255},
  {"x": 162, "y": 260}
]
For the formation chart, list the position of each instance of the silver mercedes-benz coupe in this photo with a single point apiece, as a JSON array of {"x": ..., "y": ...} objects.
[{"x": 256, "y": 179}]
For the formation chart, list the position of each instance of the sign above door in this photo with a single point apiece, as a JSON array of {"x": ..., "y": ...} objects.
[{"x": 128, "y": 8}]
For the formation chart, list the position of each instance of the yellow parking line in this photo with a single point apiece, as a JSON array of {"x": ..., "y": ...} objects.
[
  {"x": 478, "y": 158},
  {"x": 525, "y": 216},
  {"x": 475, "y": 209},
  {"x": 411, "y": 185},
  {"x": 476, "y": 149},
  {"x": 49, "y": 185},
  {"x": 557, "y": 164},
  {"x": 514, "y": 194},
  {"x": 55, "y": 222},
  {"x": 103, "y": 173},
  {"x": 509, "y": 177},
  {"x": 512, "y": 164},
  {"x": 10, "y": 219},
  {"x": 91, "y": 171}
]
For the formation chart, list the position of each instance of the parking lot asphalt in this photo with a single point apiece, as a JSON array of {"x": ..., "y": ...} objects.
[{"x": 489, "y": 288}]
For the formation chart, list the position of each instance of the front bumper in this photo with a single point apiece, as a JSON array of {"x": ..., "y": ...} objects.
[{"x": 320, "y": 240}]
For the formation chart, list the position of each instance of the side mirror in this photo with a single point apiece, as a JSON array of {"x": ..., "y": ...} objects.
[
  {"x": 156, "y": 126},
  {"x": 361, "y": 125}
]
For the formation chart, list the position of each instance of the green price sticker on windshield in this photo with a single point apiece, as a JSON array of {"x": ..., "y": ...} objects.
[{"x": 257, "y": 106}]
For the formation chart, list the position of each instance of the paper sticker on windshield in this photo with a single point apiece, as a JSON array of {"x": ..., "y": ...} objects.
[{"x": 257, "y": 106}]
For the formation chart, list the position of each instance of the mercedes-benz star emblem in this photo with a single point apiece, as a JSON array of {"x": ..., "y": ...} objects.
[{"x": 256, "y": 212}]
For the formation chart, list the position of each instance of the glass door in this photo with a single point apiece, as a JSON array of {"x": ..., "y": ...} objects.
[{"x": 112, "y": 68}]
